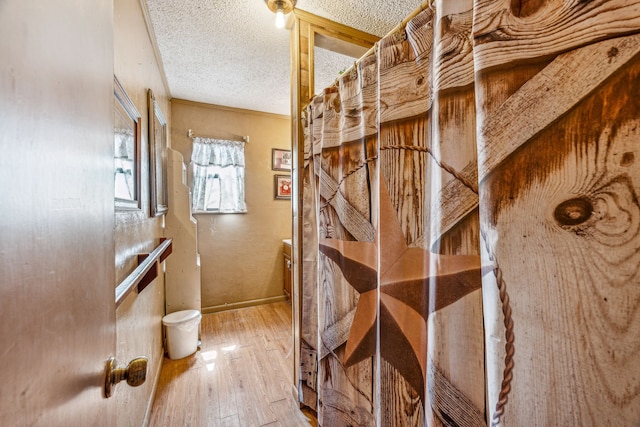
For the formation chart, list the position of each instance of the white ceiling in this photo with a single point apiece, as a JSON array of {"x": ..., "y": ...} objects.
[{"x": 229, "y": 52}]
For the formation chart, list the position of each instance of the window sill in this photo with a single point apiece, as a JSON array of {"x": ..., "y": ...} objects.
[{"x": 217, "y": 213}]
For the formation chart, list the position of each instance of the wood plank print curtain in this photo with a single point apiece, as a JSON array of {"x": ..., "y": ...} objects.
[{"x": 471, "y": 224}]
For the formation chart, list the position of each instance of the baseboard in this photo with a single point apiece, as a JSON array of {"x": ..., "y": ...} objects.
[
  {"x": 154, "y": 389},
  {"x": 242, "y": 304}
]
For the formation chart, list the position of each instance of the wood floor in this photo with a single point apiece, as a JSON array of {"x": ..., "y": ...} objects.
[{"x": 242, "y": 375}]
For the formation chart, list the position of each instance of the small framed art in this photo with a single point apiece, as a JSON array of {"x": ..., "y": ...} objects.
[
  {"x": 282, "y": 185},
  {"x": 280, "y": 159}
]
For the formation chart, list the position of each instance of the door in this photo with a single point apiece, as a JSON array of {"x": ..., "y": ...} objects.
[{"x": 56, "y": 216}]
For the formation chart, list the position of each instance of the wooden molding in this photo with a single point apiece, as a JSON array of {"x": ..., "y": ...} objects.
[
  {"x": 224, "y": 108},
  {"x": 242, "y": 304},
  {"x": 336, "y": 30},
  {"x": 154, "y": 44}
]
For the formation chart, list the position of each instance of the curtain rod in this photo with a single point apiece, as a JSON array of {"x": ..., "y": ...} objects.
[
  {"x": 191, "y": 134},
  {"x": 425, "y": 4}
]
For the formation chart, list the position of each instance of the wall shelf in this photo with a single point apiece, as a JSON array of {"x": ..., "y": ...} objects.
[{"x": 145, "y": 272}]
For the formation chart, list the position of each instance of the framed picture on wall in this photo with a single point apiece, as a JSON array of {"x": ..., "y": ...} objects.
[
  {"x": 280, "y": 159},
  {"x": 157, "y": 158},
  {"x": 282, "y": 186}
]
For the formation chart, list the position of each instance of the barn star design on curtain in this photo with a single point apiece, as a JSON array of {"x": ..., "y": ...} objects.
[{"x": 414, "y": 283}]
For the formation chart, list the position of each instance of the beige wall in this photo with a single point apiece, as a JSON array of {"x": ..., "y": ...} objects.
[
  {"x": 139, "y": 317},
  {"x": 240, "y": 254}
]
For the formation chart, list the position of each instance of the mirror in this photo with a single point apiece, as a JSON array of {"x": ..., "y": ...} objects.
[
  {"x": 126, "y": 156},
  {"x": 157, "y": 158}
]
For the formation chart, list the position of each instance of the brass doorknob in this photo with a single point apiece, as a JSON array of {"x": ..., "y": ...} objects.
[{"x": 135, "y": 374}]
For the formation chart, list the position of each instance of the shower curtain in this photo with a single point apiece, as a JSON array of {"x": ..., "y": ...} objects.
[{"x": 471, "y": 225}]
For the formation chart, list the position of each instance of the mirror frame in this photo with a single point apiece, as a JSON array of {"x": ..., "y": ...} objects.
[
  {"x": 158, "y": 196},
  {"x": 123, "y": 102}
]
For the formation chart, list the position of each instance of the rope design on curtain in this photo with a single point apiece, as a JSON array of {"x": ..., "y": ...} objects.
[
  {"x": 459, "y": 176},
  {"x": 509, "y": 347}
]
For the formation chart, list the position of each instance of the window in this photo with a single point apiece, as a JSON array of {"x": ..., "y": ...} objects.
[{"x": 218, "y": 176}]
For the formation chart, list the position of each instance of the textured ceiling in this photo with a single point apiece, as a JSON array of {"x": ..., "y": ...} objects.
[{"x": 229, "y": 52}]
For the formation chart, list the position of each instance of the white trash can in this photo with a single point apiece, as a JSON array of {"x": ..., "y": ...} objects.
[{"x": 182, "y": 332}]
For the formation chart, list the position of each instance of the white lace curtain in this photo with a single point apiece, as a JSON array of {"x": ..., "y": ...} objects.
[{"x": 218, "y": 176}]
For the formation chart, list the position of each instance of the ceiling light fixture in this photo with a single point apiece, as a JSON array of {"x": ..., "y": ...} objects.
[{"x": 280, "y": 8}]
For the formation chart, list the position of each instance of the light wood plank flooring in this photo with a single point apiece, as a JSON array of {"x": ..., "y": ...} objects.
[{"x": 242, "y": 375}]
